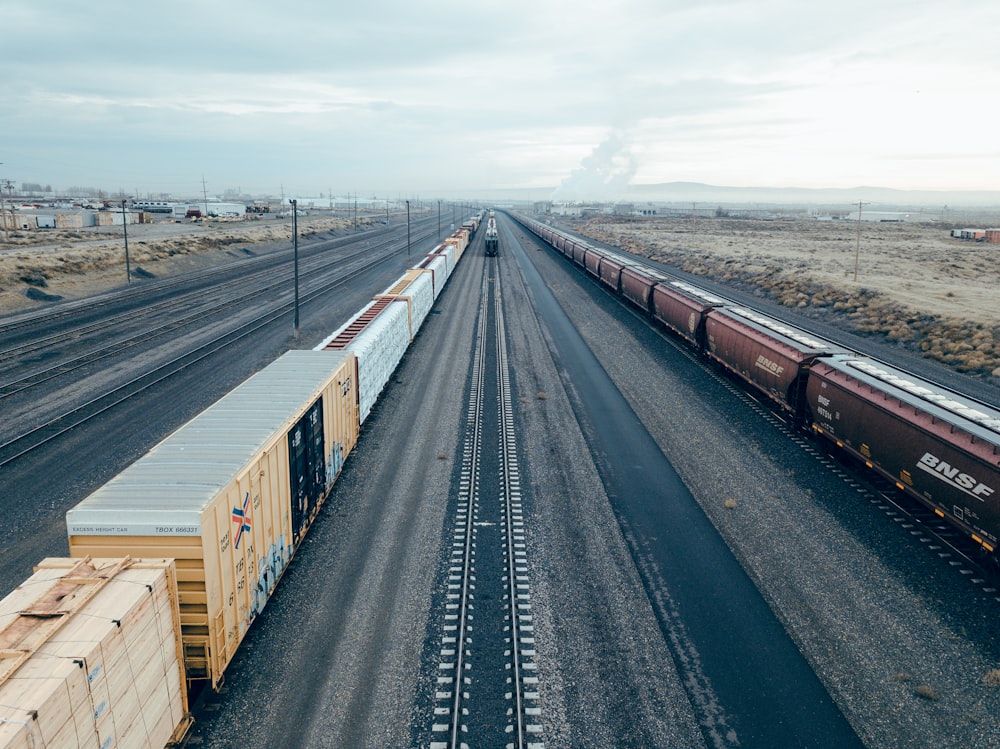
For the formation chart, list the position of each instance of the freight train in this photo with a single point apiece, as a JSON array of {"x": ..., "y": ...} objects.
[
  {"x": 934, "y": 444},
  {"x": 206, "y": 522}
]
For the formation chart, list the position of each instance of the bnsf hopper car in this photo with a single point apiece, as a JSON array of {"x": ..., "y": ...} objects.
[
  {"x": 592, "y": 263},
  {"x": 682, "y": 308},
  {"x": 935, "y": 445},
  {"x": 770, "y": 356},
  {"x": 637, "y": 287},
  {"x": 611, "y": 273},
  {"x": 932, "y": 443},
  {"x": 229, "y": 496}
]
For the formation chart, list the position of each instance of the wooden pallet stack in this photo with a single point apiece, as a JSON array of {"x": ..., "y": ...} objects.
[{"x": 90, "y": 656}]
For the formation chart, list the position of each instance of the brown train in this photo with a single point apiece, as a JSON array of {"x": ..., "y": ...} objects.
[{"x": 934, "y": 444}]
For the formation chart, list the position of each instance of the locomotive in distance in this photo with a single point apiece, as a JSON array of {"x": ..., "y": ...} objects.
[{"x": 492, "y": 236}]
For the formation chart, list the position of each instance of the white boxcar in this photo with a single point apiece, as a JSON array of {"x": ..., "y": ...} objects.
[
  {"x": 378, "y": 336},
  {"x": 448, "y": 251}
]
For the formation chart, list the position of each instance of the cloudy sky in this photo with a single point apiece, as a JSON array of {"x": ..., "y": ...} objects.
[{"x": 383, "y": 97}]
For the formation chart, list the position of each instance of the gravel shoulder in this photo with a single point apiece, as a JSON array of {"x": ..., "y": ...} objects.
[{"x": 608, "y": 678}]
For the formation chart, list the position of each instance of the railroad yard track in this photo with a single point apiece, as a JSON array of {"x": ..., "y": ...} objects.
[
  {"x": 25, "y": 326},
  {"x": 258, "y": 275},
  {"x": 322, "y": 276},
  {"x": 486, "y": 686},
  {"x": 171, "y": 315}
]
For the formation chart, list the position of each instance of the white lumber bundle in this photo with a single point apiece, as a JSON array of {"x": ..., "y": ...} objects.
[{"x": 90, "y": 656}]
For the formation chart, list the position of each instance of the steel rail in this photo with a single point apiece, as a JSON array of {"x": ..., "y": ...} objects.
[
  {"x": 264, "y": 269},
  {"x": 509, "y": 479},
  {"x": 468, "y": 498}
]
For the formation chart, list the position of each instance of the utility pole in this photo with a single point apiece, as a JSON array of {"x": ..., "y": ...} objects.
[
  {"x": 128, "y": 269},
  {"x": 439, "y": 220},
  {"x": 3, "y": 214},
  {"x": 204, "y": 195},
  {"x": 407, "y": 228},
  {"x": 3, "y": 210},
  {"x": 857, "y": 250},
  {"x": 295, "y": 252}
]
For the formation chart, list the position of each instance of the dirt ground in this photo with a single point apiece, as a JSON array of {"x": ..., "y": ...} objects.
[
  {"x": 42, "y": 266},
  {"x": 915, "y": 285}
]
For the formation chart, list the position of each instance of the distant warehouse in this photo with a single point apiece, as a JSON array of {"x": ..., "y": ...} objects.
[
  {"x": 227, "y": 210},
  {"x": 886, "y": 217}
]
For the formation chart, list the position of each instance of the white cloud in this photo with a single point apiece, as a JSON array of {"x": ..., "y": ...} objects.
[{"x": 452, "y": 96}]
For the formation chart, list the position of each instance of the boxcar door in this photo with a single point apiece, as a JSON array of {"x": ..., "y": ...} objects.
[{"x": 307, "y": 466}]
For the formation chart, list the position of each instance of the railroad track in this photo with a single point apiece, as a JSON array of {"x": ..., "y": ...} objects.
[
  {"x": 25, "y": 324},
  {"x": 213, "y": 292},
  {"x": 176, "y": 313},
  {"x": 495, "y": 703},
  {"x": 34, "y": 437}
]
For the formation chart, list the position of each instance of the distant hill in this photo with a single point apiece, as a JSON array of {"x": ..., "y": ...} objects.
[{"x": 697, "y": 192}]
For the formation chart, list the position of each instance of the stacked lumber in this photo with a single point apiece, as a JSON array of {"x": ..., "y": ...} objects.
[{"x": 90, "y": 656}]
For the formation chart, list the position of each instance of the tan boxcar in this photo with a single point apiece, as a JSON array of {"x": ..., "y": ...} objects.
[
  {"x": 92, "y": 656},
  {"x": 230, "y": 496}
]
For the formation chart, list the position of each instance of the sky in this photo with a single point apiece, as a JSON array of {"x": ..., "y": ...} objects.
[{"x": 447, "y": 98}]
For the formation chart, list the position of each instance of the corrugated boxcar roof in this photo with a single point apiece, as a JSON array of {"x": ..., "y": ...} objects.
[{"x": 173, "y": 483}]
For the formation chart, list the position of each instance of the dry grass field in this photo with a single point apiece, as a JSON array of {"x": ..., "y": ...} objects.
[
  {"x": 40, "y": 266},
  {"x": 916, "y": 286}
]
